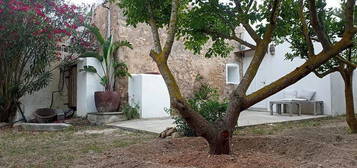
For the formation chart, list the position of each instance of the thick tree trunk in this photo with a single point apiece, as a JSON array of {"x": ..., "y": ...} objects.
[
  {"x": 220, "y": 144},
  {"x": 350, "y": 112},
  {"x": 8, "y": 112}
]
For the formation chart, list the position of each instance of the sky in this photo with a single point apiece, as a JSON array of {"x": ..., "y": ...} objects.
[
  {"x": 79, "y": 2},
  {"x": 330, "y": 3}
]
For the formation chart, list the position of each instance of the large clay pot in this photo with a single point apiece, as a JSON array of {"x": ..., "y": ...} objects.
[{"x": 107, "y": 101}]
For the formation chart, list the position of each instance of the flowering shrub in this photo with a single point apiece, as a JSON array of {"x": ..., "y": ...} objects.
[{"x": 29, "y": 33}]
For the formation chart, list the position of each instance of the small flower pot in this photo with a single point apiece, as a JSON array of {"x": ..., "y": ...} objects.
[{"x": 107, "y": 101}]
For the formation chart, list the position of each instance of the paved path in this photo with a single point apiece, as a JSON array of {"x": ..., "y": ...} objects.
[{"x": 247, "y": 118}]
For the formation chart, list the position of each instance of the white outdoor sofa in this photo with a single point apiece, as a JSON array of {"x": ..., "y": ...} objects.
[{"x": 296, "y": 101}]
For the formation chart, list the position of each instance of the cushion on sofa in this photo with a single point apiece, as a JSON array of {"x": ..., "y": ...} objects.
[
  {"x": 289, "y": 94},
  {"x": 305, "y": 94}
]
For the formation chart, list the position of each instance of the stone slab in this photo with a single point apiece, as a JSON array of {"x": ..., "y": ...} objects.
[
  {"x": 105, "y": 117},
  {"x": 3, "y": 124},
  {"x": 43, "y": 126},
  {"x": 89, "y": 132},
  {"x": 156, "y": 125},
  {"x": 247, "y": 118}
]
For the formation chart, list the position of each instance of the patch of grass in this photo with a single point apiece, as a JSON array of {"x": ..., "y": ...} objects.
[
  {"x": 122, "y": 143},
  {"x": 60, "y": 149},
  {"x": 276, "y": 128},
  {"x": 92, "y": 148}
]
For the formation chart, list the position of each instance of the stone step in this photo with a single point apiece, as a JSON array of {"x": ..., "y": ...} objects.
[
  {"x": 102, "y": 118},
  {"x": 43, "y": 126}
]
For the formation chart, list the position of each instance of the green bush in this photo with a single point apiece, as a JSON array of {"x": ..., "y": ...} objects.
[
  {"x": 131, "y": 112},
  {"x": 206, "y": 102}
]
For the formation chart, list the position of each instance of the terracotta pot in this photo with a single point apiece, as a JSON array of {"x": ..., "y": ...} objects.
[
  {"x": 107, "y": 101},
  {"x": 45, "y": 115}
]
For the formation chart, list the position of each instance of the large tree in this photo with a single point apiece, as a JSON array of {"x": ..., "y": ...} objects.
[
  {"x": 333, "y": 22},
  {"x": 210, "y": 19}
]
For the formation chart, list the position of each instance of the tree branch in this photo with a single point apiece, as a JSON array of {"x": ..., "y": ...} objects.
[
  {"x": 172, "y": 29},
  {"x": 260, "y": 50},
  {"x": 321, "y": 33},
  {"x": 232, "y": 37},
  {"x": 243, "y": 42},
  {"x": 246, "y": 24},
  {"x": 318, "y": 26},
  {"x": 201, "y": 126},
  {"x": 309, "y": 66},
  {"x": 238, "y": 95},
  {"x": 249, "y": 5},
  {"x": 341, "y": 59},
  {"x": 305, "y": 30},
  {"x": 154, "y": 30},
  {"x": 349, "y": 14},
  {"x": 322, "y": 75}
]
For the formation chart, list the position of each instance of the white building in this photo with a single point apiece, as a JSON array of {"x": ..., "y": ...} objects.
[{"x": 329, "y": 89}]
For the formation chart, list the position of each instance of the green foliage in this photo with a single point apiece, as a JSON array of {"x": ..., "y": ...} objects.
[
  {"x": 111, "y": 67},
  {"x": 131, "y": 112},
  {"x": 138, "y": 11},
  {"x": 125, "y": 43},
  {"x": 29, "y": 33},
  {"x": 333, "y": 21},
  {"x": 206, "y": 102},
  {"x": 95, "y": 30},
  {"x": 215, "y": 21},
  {"x": 286, "y": 20},
  {"x": 207, "y": 21},
  {"x": 89, "y": 69},
  {"x": 121, "y": 69}
]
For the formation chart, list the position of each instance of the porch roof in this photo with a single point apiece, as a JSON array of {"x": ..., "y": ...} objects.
[{"x": 243, "y": 51}]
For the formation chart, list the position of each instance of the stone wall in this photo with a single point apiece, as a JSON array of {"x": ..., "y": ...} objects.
[{"x": 184, "y": 64}]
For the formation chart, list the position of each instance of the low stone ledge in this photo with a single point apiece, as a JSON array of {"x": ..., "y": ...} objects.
[
  {"x": 3, "y": 124},
  {"x": 102, "y": 118},
  {"x": 43, "y": 126}
]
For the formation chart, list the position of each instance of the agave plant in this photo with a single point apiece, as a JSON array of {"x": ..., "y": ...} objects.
[{"x": 111, "y": 67}]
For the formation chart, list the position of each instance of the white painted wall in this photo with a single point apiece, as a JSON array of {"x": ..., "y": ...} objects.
[
  {"x": 87, "y": 84},
  {"x": 42, "y": 98},
  {"x": 276, "y": 66},
  {"x": 135, "y": 90},
  {"x": 338, "y": 94},
  {"x": 150, "y": 93}
]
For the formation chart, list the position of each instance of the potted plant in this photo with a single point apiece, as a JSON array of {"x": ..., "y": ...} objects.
[{"x": 108, "y": 100}]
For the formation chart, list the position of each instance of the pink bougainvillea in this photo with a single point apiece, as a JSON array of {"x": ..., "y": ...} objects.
[
  {"x": 39, "y": 12},
  {"x": 48, "y": 20}
]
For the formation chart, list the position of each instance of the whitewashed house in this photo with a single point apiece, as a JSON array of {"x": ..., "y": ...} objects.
[
  {"x": 220, "y": 73},
  {"x": 329, "y": 89}
]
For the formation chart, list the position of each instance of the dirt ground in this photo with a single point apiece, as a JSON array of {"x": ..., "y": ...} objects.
[{"x": 308, "y": 144}]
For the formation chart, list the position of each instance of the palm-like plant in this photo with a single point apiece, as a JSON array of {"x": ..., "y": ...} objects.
[{"x": 111, "y": 68}]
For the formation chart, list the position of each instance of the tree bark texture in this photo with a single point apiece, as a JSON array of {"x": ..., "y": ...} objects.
[
  {"x": 8, "y": 111},
  {"x": 350, "y": 112}
]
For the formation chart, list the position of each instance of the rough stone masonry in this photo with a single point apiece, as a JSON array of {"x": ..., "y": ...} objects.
[{"x": 184, "y": 64}]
